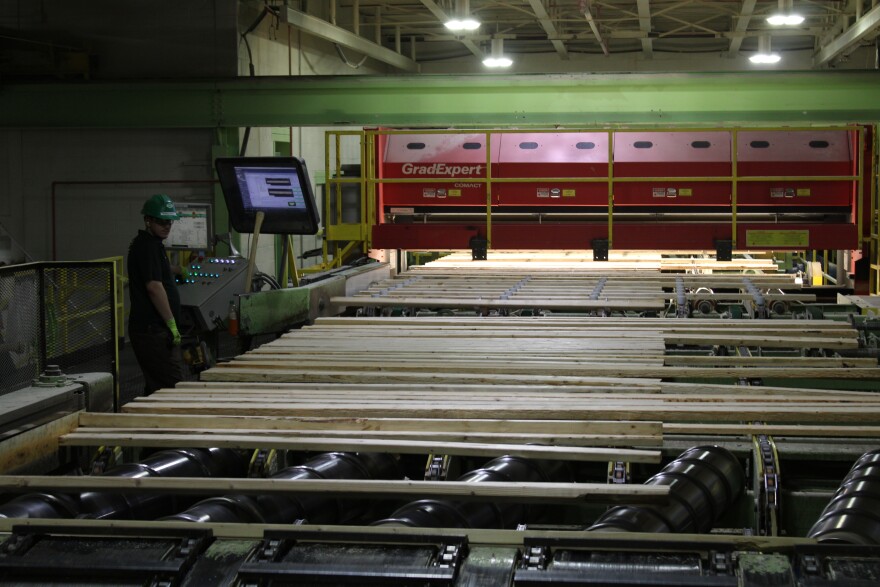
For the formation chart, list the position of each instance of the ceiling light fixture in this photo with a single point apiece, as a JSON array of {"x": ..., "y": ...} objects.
[
  {"x": 764, "y": 56},
  {"x": 462, "y": 19},
  {"x": 786, "y": 15},
  {"x": 497, "y": 57}
]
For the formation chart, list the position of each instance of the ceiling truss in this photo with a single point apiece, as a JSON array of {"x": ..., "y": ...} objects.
[{"x": 560, "y": 28}]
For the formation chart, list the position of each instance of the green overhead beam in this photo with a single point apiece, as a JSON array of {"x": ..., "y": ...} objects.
[{"x": 479, "y": 100}]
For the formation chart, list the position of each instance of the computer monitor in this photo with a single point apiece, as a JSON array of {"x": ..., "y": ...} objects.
[
  {"x": 193, "y": 230},
  {"x": 277, "y": 186}
]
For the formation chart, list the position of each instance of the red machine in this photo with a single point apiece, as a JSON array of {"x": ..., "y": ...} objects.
[
  {"x": 795, "y": 155},
  {"x": 672, "y": 155},
  {"x": 438, "y": 159},
  {"x": 671, "y": 189},
  {"x": 557, "y": 157}
]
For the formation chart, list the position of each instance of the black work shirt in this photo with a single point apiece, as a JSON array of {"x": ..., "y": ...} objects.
[{"x": 148, "y": 262}]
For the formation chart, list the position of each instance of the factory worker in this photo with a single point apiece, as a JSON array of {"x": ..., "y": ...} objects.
[{"x": 155, "y": 301}]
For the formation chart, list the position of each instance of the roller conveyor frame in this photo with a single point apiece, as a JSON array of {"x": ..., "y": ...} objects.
[{"x": 722, "y": 556}]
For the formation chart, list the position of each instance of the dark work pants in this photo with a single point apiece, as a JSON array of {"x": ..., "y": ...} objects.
[{"x": 160, "y": 361}]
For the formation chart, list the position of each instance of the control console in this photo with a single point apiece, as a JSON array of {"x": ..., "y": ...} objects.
[{"x": 212, "y": 284}]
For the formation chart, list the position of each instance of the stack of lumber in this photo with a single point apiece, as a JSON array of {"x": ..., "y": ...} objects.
[
  {"x": 529, "y": 369},
  {"x": 548, "y": 388}
]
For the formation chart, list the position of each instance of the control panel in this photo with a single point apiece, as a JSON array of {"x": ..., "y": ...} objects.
[{"x": 212, "y": 284}]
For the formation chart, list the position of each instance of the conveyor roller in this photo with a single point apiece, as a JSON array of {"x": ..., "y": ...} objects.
[
  {"x": 703, "y": 482},
  {"x": 286, "y": 509},
  {"x": 432, "y": 513},
  {"x": 853, "y": 515},
  {"x": 197, "y": 462}
]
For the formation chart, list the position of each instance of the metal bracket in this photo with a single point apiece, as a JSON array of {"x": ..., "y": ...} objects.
[
  {"x": 724, "y": 250},
  {"x": 270, "y": 550},
  {"x": 450, "y": 555},
  {"x": 618, "y": 472},
  {"x": 681, "y": 304},
  {"x": 722, "y": 562},
  {"x": 600, "y": 249},
  {"x": 535, "y": 558},
  {"x": 479, "y": 248}
]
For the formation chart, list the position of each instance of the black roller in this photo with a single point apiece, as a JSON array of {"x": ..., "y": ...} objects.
[
  {"x": 432, "y": 513},
  {"x": 40, "y": 505},
  {"x": 853, "y": 514},
  {"x": 285, "y": 509},
  {"x": 197, "y": 462},
  {"x": 703, "y": 482}
]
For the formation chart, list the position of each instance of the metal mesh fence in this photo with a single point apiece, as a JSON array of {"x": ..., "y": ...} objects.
[
  {"x": 21, "y": 332},
  {"x": 56, "y": 314}
]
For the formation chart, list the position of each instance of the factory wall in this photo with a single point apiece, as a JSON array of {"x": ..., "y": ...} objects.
[
  {"x": 99, "y": 217},
  {"x": 159, "y": 39},
  {"x": 128, "y": 41}
]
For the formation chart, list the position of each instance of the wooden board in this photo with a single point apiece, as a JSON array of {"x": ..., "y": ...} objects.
[
  {"x": 691, "y": 412},
  {"x": 440, "y": 424},
  {"x": 363, "y": 488},
  {"x": 157, "y": 440}
]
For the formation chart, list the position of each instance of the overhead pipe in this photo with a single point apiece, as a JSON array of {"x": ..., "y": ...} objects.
[
  {"x": 287, "y": 508},
  {"x": 196, "y": 462},
  {"x": 703, "y": 482},
  {"x": 433, "y": 513},
  {"x": 853, "y": 514}
]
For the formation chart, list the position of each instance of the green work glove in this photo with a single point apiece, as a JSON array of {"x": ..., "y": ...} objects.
[{"x": 175, "y": 333}]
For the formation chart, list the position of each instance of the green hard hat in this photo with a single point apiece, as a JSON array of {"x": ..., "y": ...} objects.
[{"x": 160, "y": 206}]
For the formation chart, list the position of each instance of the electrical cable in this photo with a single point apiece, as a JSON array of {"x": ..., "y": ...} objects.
[
  {"x": 266, "y": 278},
  {"x": 345, "y": 59},
  {"x": 251, "y": 69}
]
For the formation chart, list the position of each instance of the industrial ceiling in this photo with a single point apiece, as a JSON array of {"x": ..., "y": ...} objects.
[{"x": 559, "y": 29}]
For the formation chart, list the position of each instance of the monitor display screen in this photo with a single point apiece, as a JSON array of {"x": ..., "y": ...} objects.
[
  {"x": 193, "y": 230},
  {"x": 279, "y": 187}
]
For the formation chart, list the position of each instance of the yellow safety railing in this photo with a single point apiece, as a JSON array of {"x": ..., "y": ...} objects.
[
  {"x": 874, "y": 236},
  {"x": 119, "y": 281}
]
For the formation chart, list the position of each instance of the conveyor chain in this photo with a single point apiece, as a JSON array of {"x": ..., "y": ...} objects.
[
  {"x": 597, "y": 289},
  {"x": 760, "y": 306},
  {"x": 767, "y": 485},
  {"x": 437, "y": 467},
  {"x": 515, "y": 288}
]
